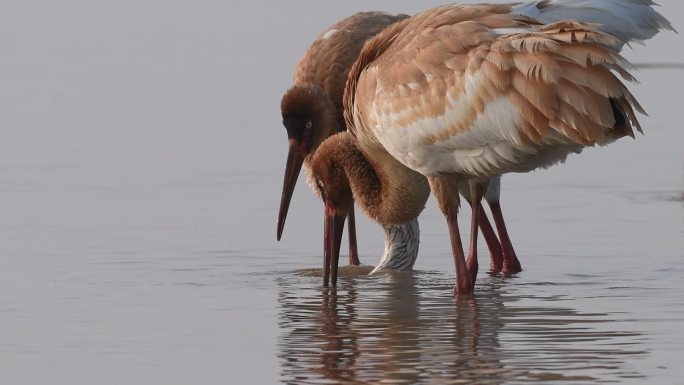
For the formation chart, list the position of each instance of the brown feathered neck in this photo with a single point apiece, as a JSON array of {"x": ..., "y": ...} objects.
[{"x": 386, "y": 191}]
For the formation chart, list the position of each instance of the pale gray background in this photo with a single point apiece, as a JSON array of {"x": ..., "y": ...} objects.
[{"x": 141, "y": 159}]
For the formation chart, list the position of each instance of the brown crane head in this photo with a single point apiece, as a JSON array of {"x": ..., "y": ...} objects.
[
  {"x": 331, "y": 182},
  {"x": 309, "y": 118}
]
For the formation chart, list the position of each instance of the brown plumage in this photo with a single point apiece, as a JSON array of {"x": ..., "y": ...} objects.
[
  {"x": 328, "y": 60},
  {"x": 342, "y": 174},
  {"x": 452, "y": 94},
  {"x": 312, "y": 108},
  {"x": 558, "y": 76}
]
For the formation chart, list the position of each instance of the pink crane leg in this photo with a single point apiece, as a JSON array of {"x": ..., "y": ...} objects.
[
  {"x": 493, "y": 244},
  {"x": 464, "y": 284},
  {"x": 511, "y": 264},
  {"x": 471, "y": 262},
  {"x": 476, "y": 192}
]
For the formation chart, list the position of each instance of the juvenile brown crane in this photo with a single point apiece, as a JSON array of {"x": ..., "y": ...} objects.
[
  {"x": 312, "y": 107},
  {"x": 312, "y": 111},
  {"x": 467, "y": 93}
]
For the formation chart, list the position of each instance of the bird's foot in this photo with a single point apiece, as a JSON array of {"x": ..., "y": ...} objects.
[
  {"x": 463, "y": 287},
  {"x": 496, "y": 263},
  {"x": 511, "y": 265},
  {"x": 354, "y": 259}
]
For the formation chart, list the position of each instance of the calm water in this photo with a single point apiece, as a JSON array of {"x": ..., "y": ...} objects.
[{"x": 140, "y": 172}]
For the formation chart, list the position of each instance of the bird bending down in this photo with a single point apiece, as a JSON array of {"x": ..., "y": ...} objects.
[
  {"x": 461, "y": 93},
  {"x": 312, "y": 111},
  {"x": 312, "y": 108},
  {"x": 343, "y": 175},
  {"x": 628, "y": 20}
]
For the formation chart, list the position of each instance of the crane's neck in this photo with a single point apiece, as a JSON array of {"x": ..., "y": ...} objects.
[
  {"x": 401, "y": 246},
  {"x": 387, "y": 191}
]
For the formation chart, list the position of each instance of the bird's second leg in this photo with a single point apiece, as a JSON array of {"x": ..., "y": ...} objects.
[
  {"x": 445, "y": 189},
  {"x": 464, "y": 282},
  {"x": 488, "y": 232},
  {"x": 476, "y": 193},
  {"x": 353, "y": 250},
  {"x": 493, "y": 244},
  {"x": 511, "y": 264}
]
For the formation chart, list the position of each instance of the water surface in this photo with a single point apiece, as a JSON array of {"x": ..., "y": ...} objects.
[{"x": 140, "y": 173}]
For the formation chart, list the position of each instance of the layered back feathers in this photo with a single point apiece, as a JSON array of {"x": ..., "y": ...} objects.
[
  {"x": 449, "y": 64},
  {"x": 327, "y": 62}
]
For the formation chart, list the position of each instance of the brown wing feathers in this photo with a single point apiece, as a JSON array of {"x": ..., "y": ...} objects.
[{"x": 562, "y": 76}]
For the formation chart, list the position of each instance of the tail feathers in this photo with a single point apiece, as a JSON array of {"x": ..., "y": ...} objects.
[
  {"x": 580, "y": 95},
  {"x": 628, "y": 20},
  {"x": 625, "y": 122},
  {"x": 618, "y": 113}
]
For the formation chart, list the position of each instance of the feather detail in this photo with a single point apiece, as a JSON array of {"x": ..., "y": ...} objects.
[{"x": 444, "y": 84}]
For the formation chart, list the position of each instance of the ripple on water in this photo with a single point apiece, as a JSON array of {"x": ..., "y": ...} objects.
[{"x": 406, "y": 328}]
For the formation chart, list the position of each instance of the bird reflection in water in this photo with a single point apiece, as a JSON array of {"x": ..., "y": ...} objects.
[
  {"x": 339, "y": 341},
  {"x": 406, "y": 328}
]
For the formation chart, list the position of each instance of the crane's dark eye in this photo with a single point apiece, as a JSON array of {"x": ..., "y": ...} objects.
[
  {"x": 298, "y": 126},
  {"x": 320, "y": 184}
]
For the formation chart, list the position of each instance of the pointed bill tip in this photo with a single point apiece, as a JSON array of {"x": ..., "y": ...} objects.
[{"x": 295, "y": 159}]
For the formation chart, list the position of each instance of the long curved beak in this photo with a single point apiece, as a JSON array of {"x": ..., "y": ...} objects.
[
  {"x": 295, "y": 159},
  {"x": 332, "y": 235}
]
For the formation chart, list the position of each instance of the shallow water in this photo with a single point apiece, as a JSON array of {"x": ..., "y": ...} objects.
[{"x": 140, "y": 173}]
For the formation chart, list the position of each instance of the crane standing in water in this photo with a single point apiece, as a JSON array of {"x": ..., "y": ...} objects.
[
  {"x": 628, "y": 20},
  {"x": 312, "y": 107},
  {"x": 463, "y": 94},
  {"x": 312, "y": 111}
]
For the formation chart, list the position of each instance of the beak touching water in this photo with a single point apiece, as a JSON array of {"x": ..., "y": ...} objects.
[
  {"x": 333, "y": 227},
  {"x": 295, "y": 159}
]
